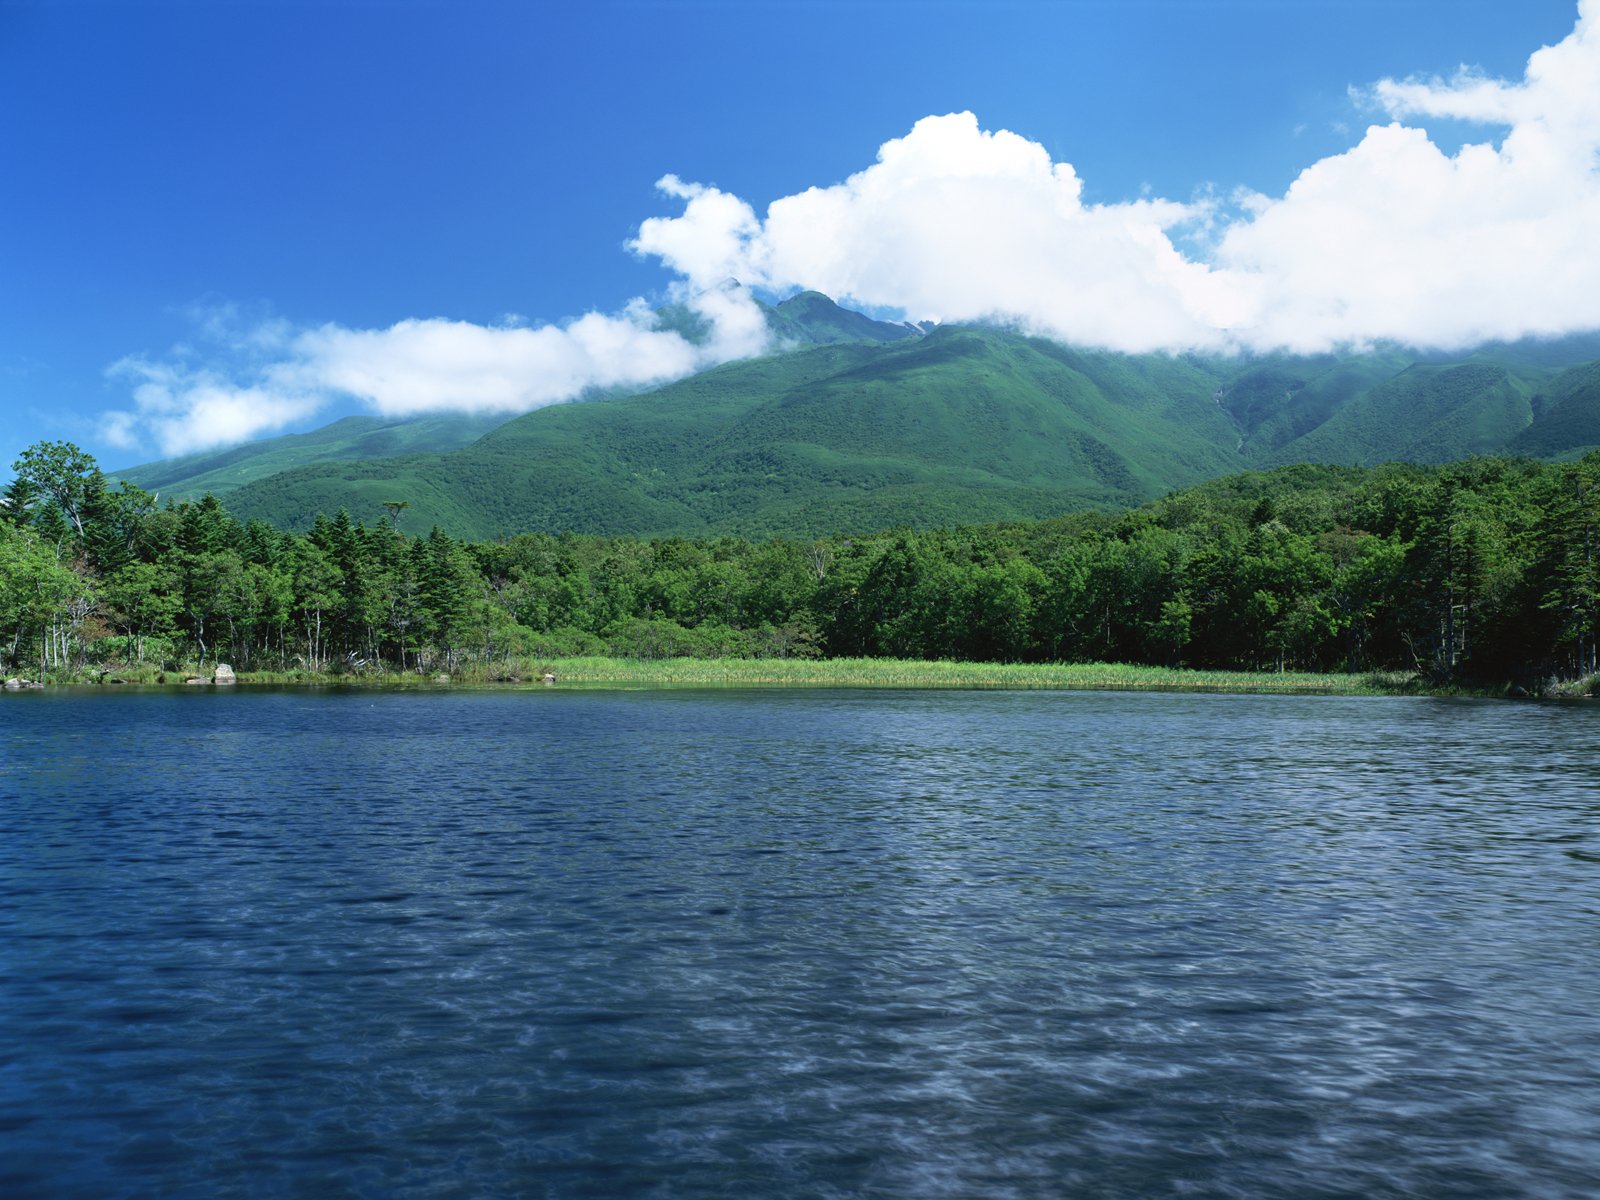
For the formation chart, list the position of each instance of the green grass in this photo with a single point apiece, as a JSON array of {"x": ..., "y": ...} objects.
[
  {"x": 900, "y": 673},
  {"x": 903, "y": 673},
  {"x": 1581, "y": 688},
  {"x": 624, "y": 673}
]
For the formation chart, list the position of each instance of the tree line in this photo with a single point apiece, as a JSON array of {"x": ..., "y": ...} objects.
[{"x": 1486, "y": 570}]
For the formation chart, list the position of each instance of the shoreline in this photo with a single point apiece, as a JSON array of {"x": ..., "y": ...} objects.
[{"x": 686, "y": 673}]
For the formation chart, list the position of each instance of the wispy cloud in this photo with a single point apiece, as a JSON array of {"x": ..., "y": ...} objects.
[
  {"x": 425, "y": 366},
  {"x": 275, "y": 376},
  {"x": 184, "y": 409},
  {"x": 1392, "y": 240}
]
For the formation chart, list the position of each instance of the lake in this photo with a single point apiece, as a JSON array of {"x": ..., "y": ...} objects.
[{"x": 808, "y": 943}]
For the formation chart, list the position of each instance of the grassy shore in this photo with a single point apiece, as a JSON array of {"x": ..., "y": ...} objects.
[
  {"x": 900, "y": 673},
  {"x": 835, "y": 672}
]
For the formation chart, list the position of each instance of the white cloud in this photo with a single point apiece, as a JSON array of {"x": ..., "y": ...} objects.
[
  {"x": 708, "y": 243},
  {"x": 435, "y": 365},
  {"x": 186, "y": 410},
  {"x": 1397, "y": 240},
  {"x": 956, "y": 223},
  {"x": 413, "y": 367},
  {"x": 1392, "y": 240}
]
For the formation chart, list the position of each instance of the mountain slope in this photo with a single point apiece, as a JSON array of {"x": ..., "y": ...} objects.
[
  {"x": 856, "y": 424},
  {"x": 812, "y": 319},
  {"x": 1427, "y": 413},
  {"x": 962, "y": 424},
  {"x": 1275, "y": 400},
  {"x": 1566, "y": 416},
  {"x": 353, "y": 438},
  {"x": 807, "y": 319}
]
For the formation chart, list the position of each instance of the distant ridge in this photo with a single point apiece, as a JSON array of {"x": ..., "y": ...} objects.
[{"x": 858, "y": 424}]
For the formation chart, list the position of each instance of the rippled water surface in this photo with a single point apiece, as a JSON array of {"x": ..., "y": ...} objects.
[{"x": 797, "y": 943}]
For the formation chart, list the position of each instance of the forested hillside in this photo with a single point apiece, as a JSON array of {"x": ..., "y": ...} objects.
[
  {"x": 352, "y": 438},
  {"x": 960, "y": 425},
  {"x": 859, "y": 424},
  {"x": 808, "y": 319},
  {"x": 1487, "y": 570}
]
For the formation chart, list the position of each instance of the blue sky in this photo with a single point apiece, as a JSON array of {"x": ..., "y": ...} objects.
[{"x": 265, "y": 203}]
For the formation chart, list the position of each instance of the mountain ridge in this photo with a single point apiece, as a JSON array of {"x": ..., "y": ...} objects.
[{"x": 862, "y": 424}]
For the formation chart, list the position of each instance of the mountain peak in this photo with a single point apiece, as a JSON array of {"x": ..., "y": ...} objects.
[{"x": 810, "y": 318}]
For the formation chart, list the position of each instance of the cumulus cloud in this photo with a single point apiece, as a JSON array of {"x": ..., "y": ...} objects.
[
  {"x": 1394, "y": 240},
  {"x": 956, "y": 223},
  {"x": 710, "y": 242}
]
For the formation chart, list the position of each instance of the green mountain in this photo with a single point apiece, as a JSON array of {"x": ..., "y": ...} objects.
[
  {"x": 1425, "y": 413},
  {"x": 866, "y": 424},
  {"x": 223, "y": 471},
  {"x": 960, "y": 425},
  {"x": 811, "y": 319},
  {"x": 808, "y": 319},
  {"x": 1566, "y": 416}
]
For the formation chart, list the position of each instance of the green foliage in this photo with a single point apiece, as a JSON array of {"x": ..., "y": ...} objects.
[
  {"x": 62, "y": 474},
  {"x": 45, "y": 601},
  {"x": 1566, "y": 415},
  {"x": 1485, "y": 571}
]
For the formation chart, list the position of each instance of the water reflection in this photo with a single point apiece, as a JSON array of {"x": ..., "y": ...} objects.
[{"x": 811, "y": 943}]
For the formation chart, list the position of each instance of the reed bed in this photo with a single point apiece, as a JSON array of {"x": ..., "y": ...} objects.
[
  {"x": 599, "y": 672},
  {"x": 900, "y": 673}
]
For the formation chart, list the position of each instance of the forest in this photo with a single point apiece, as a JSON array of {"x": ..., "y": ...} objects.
[{"x": 1483, "y": 572}]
